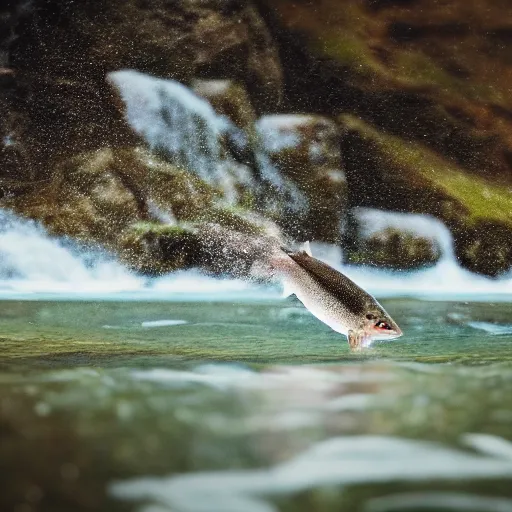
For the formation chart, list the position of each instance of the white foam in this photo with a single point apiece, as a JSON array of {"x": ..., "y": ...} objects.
[
  {"x": 338, "y": 461},
  {"x": 34, "y": 264},
  {"x": 162, "y": 323},
  {"x": 490, "y": 328}
]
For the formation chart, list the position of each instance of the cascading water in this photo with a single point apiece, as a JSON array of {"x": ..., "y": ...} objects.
[
  {"x": 33, "y": 263},
  {"x": 445, "y": 279},
  {"x": 188, "y": 132}
]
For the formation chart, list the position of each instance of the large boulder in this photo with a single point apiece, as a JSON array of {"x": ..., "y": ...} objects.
[
  {"x": 95, "y": 196},
  {"x": 306, "y": 149},
  {"x": 384, "y": 171}
]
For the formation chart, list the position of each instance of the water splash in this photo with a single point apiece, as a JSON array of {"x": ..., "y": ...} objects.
[{"x": 34, "y": 263}]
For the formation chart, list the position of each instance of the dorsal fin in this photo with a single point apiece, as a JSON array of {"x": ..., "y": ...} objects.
[{"x": 305, "y": 247}]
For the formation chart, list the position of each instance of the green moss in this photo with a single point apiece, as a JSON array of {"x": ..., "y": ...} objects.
[
  {"x": 482, "y": 199},
  {"x": 349, "y": 51}
]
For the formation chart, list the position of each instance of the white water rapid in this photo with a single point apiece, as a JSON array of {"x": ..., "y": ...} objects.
[
  {"x": 187, "y": 131},
  {"x": 33, "y": 264}
]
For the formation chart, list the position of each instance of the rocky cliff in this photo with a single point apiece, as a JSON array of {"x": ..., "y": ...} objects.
[{"x": 272, "y": 115}]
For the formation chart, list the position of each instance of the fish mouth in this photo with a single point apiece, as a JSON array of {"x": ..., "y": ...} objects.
[{"x": 389, "y": 335}]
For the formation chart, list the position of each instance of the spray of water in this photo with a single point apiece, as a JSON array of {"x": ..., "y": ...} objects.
[{"x": 32, "y": 262}]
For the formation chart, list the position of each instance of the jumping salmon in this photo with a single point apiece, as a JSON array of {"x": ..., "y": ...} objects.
[{"x": 333, "y": 298}]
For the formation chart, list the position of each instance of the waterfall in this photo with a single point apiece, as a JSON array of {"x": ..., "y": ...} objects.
[
  {"x": 32, "y": 261},
  {"x": 187, "y": 131},
  {"x": 443, "y": 280},
  {"x": 372, "y": 221}
]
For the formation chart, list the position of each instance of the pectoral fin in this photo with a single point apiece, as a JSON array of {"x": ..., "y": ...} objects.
[{"x": 355, "y": 340}]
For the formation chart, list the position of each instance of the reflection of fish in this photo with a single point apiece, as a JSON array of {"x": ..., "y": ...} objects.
[{"x": 333, "y": 298}]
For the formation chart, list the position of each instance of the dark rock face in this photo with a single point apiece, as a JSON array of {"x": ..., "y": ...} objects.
[
  {"x": 423, "y": 71},
  {"x": 64, "y": 49}
]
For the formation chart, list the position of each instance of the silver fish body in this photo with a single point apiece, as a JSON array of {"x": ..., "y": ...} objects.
[{"x": 334, "y": 299}]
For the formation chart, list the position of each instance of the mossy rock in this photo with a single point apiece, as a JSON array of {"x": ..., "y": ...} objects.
[
  {"x": 384, "y": 171},
  {"x": 156, "y": 249},
  {"x": 396, "y": 249}
]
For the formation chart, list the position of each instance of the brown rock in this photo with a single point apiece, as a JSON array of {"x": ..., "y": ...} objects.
[
  {"x": 437, "y": 73},
  {"x": 306, "y": 149}
]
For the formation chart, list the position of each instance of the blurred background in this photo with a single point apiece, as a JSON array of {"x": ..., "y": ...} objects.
[{"x": 380, "y": 128}]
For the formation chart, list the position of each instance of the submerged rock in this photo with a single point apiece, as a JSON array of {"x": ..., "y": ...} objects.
[{"x": 306, "y": 148}]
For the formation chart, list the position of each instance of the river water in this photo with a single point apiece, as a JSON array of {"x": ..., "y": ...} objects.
[
  {"x": 193, "y": 394},
  {"x": 251, "y": 404}
]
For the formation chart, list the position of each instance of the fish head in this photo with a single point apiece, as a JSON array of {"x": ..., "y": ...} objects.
[{"x": 378, "y": 325}]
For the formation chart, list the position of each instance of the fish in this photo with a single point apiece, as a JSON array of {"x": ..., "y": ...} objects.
[{"x": 333, "y": 298}]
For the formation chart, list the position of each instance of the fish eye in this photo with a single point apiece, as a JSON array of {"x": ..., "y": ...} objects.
[
  {"x": 383, "y": 325},
  {"x": 370, "y": 316}
]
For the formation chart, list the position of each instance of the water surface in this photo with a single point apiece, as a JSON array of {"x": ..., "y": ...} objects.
[{"x": 252, "y": 406}]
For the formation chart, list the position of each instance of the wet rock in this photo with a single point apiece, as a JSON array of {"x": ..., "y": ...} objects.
[
  {"x": 396, "y": 249},
  {"x": 220, "y": 246},
  {"x": 306, "y": 148},
  {"x": 16, "y": 167},
  {"x": 404, "y": 176},
  {"x": 64, "y": 50},
  {"x": 231, "y": 100},
  {"x": 392, "y": 240},
  {"x": 425, "y": 72},
  {"x": 141, "y": 208}
]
